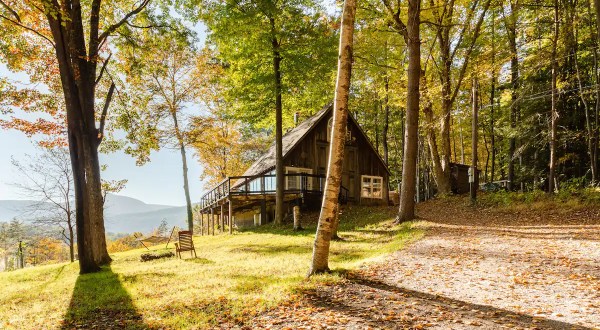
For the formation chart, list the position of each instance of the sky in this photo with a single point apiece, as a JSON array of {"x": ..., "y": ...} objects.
[{"x": 158, "y": 182}]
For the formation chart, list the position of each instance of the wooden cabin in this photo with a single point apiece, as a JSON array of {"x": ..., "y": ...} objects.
[{"x": 250, "y": 198}]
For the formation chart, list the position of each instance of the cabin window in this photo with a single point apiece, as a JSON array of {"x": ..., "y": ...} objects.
[
  {"x": 298, "y": 182},
  {"x": 371, "y": 187}
]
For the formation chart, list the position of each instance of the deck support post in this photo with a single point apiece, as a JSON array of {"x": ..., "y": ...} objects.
[
  {"x": 263, "y": 212},
  {"x": 297, "y": 224},
  {"x": 201, "y": 224},
  {"x": 230, "y": 216},
  {"x": 222, "y": 218},
  {"x": 211, "y": 220}
]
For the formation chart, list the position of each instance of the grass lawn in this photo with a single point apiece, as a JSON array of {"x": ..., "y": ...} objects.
[{"x": 233, "y": 278}]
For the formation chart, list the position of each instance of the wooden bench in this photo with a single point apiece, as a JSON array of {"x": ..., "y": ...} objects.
[{"x": 185, "y": 243}]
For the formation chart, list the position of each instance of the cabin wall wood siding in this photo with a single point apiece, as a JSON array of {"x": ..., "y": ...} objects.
[{"x": 359, "y": 159}]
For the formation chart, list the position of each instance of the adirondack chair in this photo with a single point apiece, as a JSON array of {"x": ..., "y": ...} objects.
[{"x": 185, "y": 243}]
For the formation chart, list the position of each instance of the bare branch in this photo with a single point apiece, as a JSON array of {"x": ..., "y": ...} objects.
[
  {"x": 470, "y": 49},
  {"x": 145, "y": 26}
]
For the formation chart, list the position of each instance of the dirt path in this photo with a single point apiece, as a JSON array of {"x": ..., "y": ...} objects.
[{"x": 473, "y": 270}]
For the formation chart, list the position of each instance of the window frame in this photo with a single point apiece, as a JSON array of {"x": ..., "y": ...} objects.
[
  {"x": 371, "y": 187},
  {"x": 299, "y": 170}
]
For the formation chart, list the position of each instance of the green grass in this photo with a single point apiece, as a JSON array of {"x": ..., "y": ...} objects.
[{"x": 233, "y": 278}]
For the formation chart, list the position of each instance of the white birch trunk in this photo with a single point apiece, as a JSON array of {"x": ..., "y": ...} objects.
[{"x": 320, "y": 259}]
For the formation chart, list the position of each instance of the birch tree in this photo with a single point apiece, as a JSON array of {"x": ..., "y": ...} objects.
[{"x": 328, "y": 216}]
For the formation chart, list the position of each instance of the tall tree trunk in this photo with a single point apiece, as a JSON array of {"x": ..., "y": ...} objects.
[
  {"x": 376, "y": 121},
  {"x": 438, "y": 172},
  {"x": 328, "y": 216},
  {"x": 77, "y": 68},
  {"x": 462, "y": 141},
  {"x": 386, "y": 117},
  {"x": 492, "y": 129},
  {"x": 595, "y": 36},
  {"x": 449, "y": 93},
  {"x": 186, "y": 186},
  {"x": 492, "y": 102},
  {"x": 71, "y": 239},
  {"x": 553, "y": 110},
  {"x": 511, "y": 28},
  {"x": 588, "y": 119},
  {"x": 279, "y": 172},
  {"x": 443, "y": 37},
  {"x": 474, "y": 140},
  {"x": 409, "y": 164}
]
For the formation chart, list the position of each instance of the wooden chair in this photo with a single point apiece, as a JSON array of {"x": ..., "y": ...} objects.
[{"x": 185, "y": 243}]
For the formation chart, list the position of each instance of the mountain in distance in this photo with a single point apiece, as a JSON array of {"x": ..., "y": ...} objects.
[
  {"x": 117, "y": 204},
  {"x": 10, "y": 209},
  {"x": 122, "y": 214}
]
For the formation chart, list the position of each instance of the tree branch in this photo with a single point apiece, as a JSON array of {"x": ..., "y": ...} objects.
[
  {"x": 102, "y": 69},
  {"x": 146, "y": 26},
  {"x": 466, "y": 25},
  {"x": 124, "y": 20},
  {"x": 12, "y": 11},
  {"x": 104, "y": 111},
  {"x": 470, "y": 50},
  {"x": 18, "y": 23},
  {"x": 397, "y": 21}
]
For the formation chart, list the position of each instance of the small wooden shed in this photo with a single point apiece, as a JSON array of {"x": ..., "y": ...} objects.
[{"x": 459, "y": 178}]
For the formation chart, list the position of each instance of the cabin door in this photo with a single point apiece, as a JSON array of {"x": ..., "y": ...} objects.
[
  {"x": 323, "y": 157},
  {"x": 349, "y": 173}
]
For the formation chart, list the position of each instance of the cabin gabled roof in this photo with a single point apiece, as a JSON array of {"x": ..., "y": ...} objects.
[
  {"x": 289, "y": 140},
  {"x": 292, "y": 138}
]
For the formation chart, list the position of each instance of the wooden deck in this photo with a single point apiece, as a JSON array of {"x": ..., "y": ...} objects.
[{"x": 245, "y": 191}]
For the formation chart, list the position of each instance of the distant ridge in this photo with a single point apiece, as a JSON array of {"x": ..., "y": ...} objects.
[{"x": 122, "y": 214}]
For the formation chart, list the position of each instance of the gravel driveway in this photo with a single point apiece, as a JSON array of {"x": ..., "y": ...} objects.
[{"x": 474, "y": 269}]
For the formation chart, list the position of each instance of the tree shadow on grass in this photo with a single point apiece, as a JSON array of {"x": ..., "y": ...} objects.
[{"x": 100, "y": 301}]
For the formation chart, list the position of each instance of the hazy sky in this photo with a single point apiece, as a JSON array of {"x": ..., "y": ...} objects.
[{"x": 158, "y": 182}]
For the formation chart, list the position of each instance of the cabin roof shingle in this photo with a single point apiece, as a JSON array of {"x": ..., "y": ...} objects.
[{"x": 289, "y": 141}]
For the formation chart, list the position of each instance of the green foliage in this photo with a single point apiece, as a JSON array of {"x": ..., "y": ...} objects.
[{"x": 306, "y": 41}]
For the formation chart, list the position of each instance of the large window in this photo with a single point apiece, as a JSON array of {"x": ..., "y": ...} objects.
[
  {"x": 371, "y": 186},
  {"x": 298, "y": 182}
]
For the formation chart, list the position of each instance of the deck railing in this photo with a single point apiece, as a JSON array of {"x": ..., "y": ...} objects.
[{"x": 295, "y": 183}]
